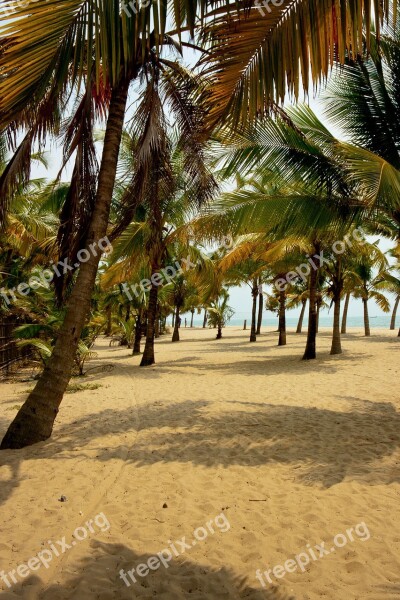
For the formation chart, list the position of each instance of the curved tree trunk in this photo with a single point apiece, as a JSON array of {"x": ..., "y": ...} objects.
[
  {"x": 138, "y": 334},
  {"x": 282, "y": 318},
  {"x": 175, "y": 335},
  {"x": 367, "y": 330},
  {"x": 393, "y": 320},
  {"x": 35, "y": 419},
  {"x": 345, "y": 311},
  {"x": 310, "y": 351},
  {"x": 301, "y": 317},
  {"x": 260, "y": 312},
  {"x": 148, "y": 353},
  {"x": 254, "y": 293},
  {"x": 205, "y": 319}
]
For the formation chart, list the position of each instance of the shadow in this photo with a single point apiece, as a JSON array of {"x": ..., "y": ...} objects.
[
  {"x": 99, "y": 575},
  {"x": 324, "y": 447}
]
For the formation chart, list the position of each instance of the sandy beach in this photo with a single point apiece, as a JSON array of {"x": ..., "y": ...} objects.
[{"x": 279, "y": 455}]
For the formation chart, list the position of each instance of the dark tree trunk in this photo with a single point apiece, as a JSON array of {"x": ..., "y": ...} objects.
[
  {"x": 395, "y": 307},
  {"x": 254, "y": 293},
  {"x": 175, "y": 335},
  {"x": 35, "y": 419},
  {"x": 219, "y": 332},
  {"x": 345, "y": 311},
  {"x": 367, "y": 330},
  {"x": 148, "y": 353},
  {"x": 173, "y": 319},
  {"x": 191, "y": 320},
  {"x": 260, "y": 312},
  {"x": 301, "y": 317},
  {"x": 205, "y": 319},
  {"x": 336, "y": 347},
  {"x": 310, "y": 351},
  {"x": 138, "y": 334},
  {"x": 282, "y": 318}
]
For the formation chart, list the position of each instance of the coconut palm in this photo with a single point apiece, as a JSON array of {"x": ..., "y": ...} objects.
[{"x": 220, "y": 312}]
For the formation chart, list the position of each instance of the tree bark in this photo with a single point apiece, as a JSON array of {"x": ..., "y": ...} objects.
[
  {"x": 205, "y": 319},
  {"x": 310, "y": 350},
  {"x": 345, "y": 311},
  {"x": 367, "y": 331},
  {"x": 336, "y": 347},
  {"x": 393, "y": 320},
  {"x": 219, "y": 332},
  {"x": 138, "y": 334},
  {"x": 260, "y": 312},
  {"x": 282, "y": 318},
  {"x": 148, "y": 353},
  {"x": 191, "y": 320},
  {"x": 301, "y": 317},
  {"x": 35, "y": 419},
  {"x": 175, "y": 335},
  {"x": 254, "y": 293}
]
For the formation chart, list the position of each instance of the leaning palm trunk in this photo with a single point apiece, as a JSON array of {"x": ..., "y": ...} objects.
[
  {"x": 175, "y": 335},
  {"x": 345, "y": 311},
  {"x": 254, "y": 293},
  {"x": 367, "y": 331},
  {"x": 260, "y": 312},
  {"x": 148, "y": 353},
  {"x": 301, "y": 317},
  {"x": 310, "y": 351},
  {"x": 282, "y": 318},
  {"x": 34, "y": 421},
  {"x": 393, "y": 320},
  {"x": 205, "y": 319}
]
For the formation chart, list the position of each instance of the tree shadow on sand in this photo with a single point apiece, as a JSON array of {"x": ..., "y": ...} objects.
[
  {"x": 98, "y": 576},
  {"x": 324, "y": 446}
]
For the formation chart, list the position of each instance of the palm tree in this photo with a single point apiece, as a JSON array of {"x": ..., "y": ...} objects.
[
  {"x": 220, "y": 312},
  {"x": 368, "y": 285}
]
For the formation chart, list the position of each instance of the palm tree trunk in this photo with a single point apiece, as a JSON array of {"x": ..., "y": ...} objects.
[
  {"x": 336, "y": 347},
  {"x": 310, "y": 351},
  {"x": 173, "y": 319},
  {"x": 175, "y": 335},
  {"x": 260, "y": 312},
  {"x": 191, "y": 320},
  {"x": 138, "y": 334},
  {"x": 393, "y": 321},
  {"x": 318, "y": 309},
  {"x": 301, "y": 317},
  {"x": 157, "y": 325},
  {"x": 148, "y": 353},
  {"x": 282, "y": 318},
  {"x": 205, "y": 319},
  {"x": 219, "y": 332},
  {"x": 345, "y": 311},
  {"x": 35, "y": 419},
  {"x": 367, "y": 330},
  {"x": 254, "y": 293}
]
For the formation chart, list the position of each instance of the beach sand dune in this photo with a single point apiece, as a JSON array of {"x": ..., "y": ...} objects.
[{"x": 273, "y": 454}]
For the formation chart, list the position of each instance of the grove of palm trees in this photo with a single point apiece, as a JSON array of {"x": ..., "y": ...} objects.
[{"x": 199, "y": 299}]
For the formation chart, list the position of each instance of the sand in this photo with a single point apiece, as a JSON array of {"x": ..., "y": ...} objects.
[{"x": 289, "y": 454}]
